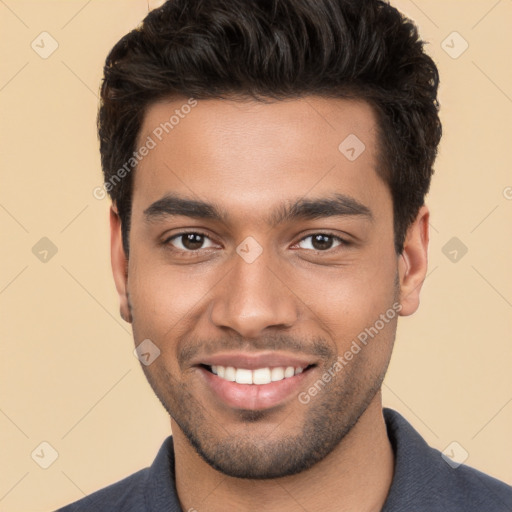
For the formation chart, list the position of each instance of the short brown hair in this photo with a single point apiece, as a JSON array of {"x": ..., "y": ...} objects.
[{"x": 279, "y": 49}]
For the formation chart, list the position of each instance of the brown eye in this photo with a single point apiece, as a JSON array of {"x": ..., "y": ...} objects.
[
  {"x": 189, "y": 241},
  {"x": 322, "y": 241}
]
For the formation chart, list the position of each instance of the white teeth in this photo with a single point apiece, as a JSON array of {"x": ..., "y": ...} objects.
[
  {"x": 230, "y": 374},
  {"x": 277, "y": 374},
  {"x": 261, "y": 376},
  {"x": 289, "y": 372},
  {"x": 243, "y": 376},
  {"x": 258, "y": 376}
]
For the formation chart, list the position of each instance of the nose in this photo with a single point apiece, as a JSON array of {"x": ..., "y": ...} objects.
[{"x": 253, "y": 297}]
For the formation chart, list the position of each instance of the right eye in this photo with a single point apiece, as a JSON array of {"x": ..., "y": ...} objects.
[{"x": 187, "y": 241}]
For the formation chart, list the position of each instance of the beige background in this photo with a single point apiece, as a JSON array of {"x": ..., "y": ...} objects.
[{"x": 68, "y": 374}]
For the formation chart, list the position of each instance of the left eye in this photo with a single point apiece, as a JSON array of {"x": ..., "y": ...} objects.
[{"x": 322, "y": 241}]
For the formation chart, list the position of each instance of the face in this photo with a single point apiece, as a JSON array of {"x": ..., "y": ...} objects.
[{"x": 260, "y": 251}]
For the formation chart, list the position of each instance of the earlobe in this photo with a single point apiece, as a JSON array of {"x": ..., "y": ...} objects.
[
  {"x": 119, "y": 264},
  {"x": 413, "y": 262}
]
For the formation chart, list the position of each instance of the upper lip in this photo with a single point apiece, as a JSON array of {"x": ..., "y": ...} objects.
[{"x": 255, "y": 360}]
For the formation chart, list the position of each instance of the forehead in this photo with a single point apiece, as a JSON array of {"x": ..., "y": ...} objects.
[{"x": 252, "y": 155}]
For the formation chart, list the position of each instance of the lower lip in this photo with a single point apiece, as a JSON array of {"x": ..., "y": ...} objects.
[{"x": 253, "y": 396}]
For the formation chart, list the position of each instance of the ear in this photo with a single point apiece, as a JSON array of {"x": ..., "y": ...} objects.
[
  {"x": 412, "y": 263},
  {"x": 119, "y": 263}
]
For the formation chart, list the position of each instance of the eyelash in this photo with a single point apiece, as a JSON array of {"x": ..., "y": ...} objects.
[{"x": 167, "y": 241}]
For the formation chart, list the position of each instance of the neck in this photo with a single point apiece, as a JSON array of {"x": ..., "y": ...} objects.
[{"x": 355, "y": 476}]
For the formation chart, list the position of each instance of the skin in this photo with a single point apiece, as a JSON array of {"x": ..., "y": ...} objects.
[{"x": 249, "y": 158}]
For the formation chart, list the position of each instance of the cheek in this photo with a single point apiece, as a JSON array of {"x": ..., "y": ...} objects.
[
  {"x": 163, "y": 298},
  {"x": 349, "y": 297},
  {"x": 348, "y": 304}
]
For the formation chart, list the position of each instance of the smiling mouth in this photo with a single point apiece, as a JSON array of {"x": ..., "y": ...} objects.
[{"x": 258, "y": 376}]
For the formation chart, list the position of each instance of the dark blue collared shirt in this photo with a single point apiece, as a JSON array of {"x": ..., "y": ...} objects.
[{"x": 423, "y": 482}]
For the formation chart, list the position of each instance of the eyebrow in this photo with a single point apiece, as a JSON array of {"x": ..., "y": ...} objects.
[{"x": 301, "y": 209}]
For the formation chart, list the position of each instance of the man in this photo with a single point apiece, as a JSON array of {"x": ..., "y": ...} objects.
[{"x": 268, "y": 162}]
